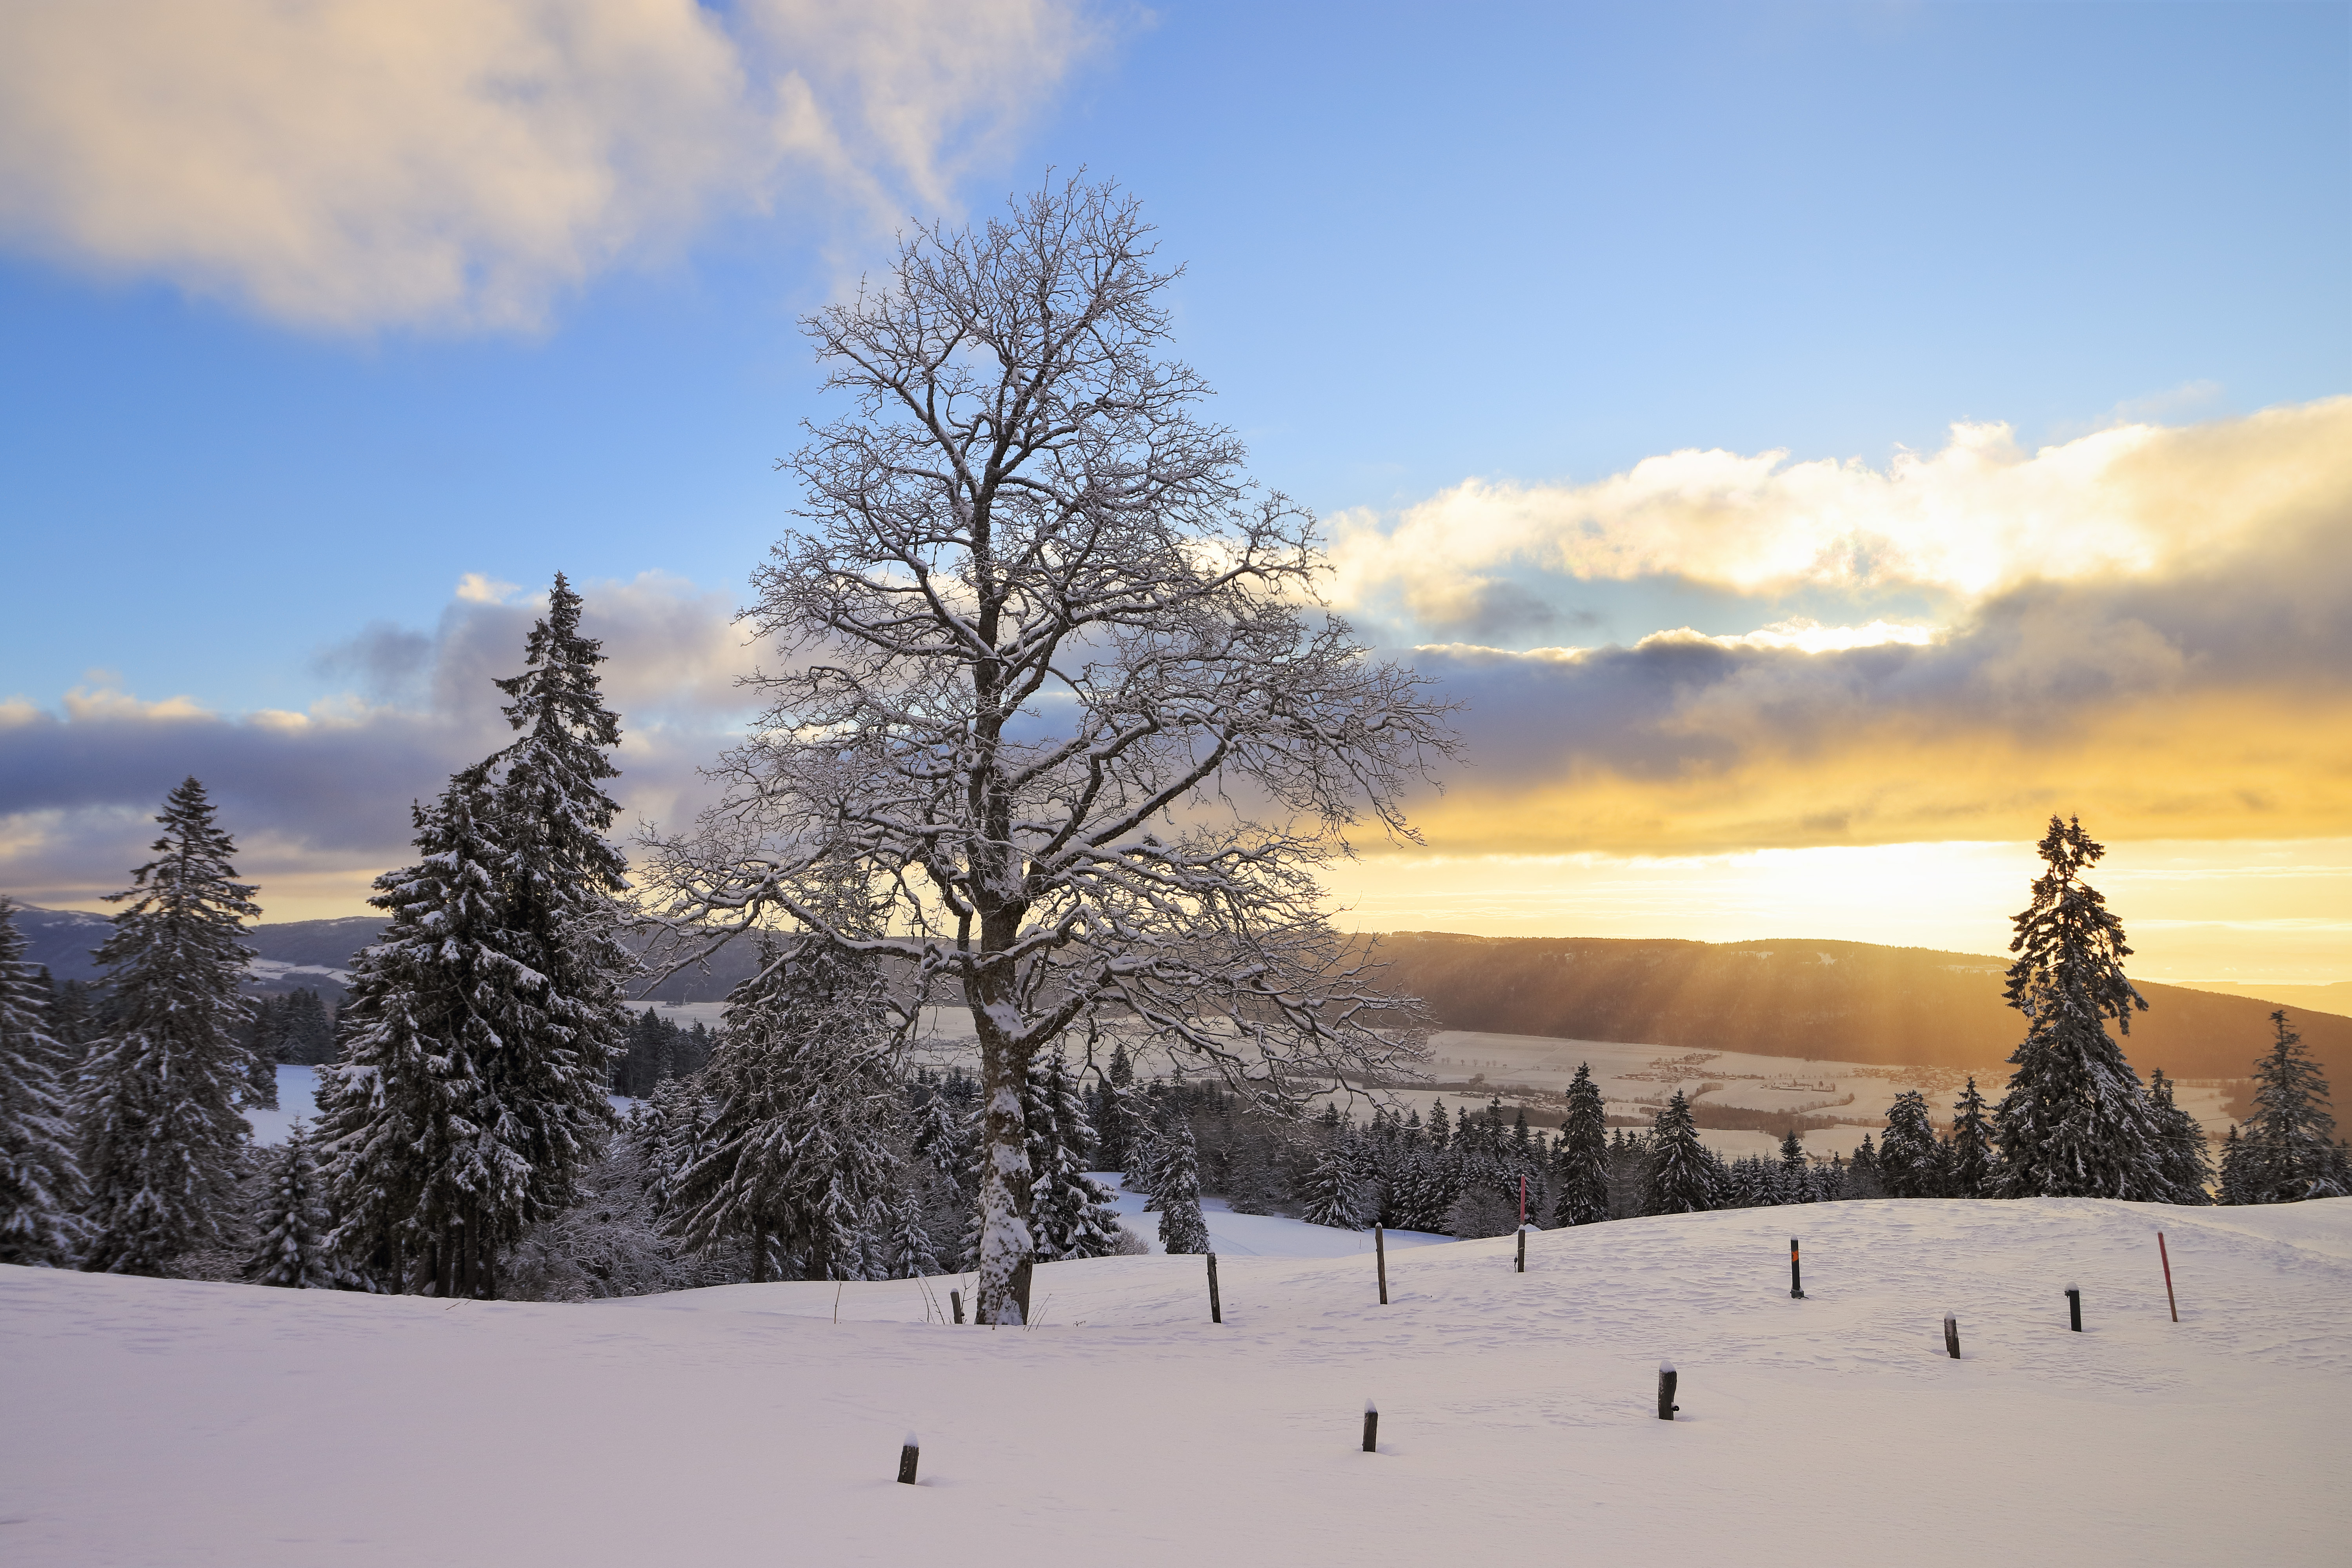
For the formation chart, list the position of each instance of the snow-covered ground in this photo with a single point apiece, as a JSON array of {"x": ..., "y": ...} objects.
[
  {"x": 1234, "y": 1234},
  {"x": 165, "y": 1422},
  {"x": 297, "y": 1089}
]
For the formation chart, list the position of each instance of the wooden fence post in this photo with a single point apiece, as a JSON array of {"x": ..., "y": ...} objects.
[
  {"x": 1216, "y": 1308},
  {"x": 1667, "y": 1378},
  {"x": 1372, "y": 1428},
  {"x": 955, "y": 1299},
  {"x": 907, "y": 1457},
  {"x": 2074, "y": 1308},
  {"x": 1381, "y": 1258},
  {"x": 1952, "y": 1336}
]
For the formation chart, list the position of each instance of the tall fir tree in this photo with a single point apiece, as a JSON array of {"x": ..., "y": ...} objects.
[
  {"x": 40, "y": 1182},
  {"x": 560, "y": 882},
  {"x": 1581, "y": 1166},
  {"x": 1911, "y": 1161},
  {"x": 2075, "y": 1121},
  {"x": 163, "y": 1144},
  {"x": 794, "y": 1150},
  {"x": 429, "y": 1175},
  {"x": 2289, "y": 1153},
  {"x": 1971, "y": 1169},
  {"x": 1178, "y": 1185},
  {"x": 1335, "y": 1193},
  {"x": 1069, "y": 1214},
  {"x": 1685, "y": 1177},
  {"x": 1794, "y": 1175},
  {"x": 2184, "y": 1160},
  {"x": 292, "y": 1219}
]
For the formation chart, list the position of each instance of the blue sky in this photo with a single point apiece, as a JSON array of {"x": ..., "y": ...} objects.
[{"x": 1529, "y": 246}]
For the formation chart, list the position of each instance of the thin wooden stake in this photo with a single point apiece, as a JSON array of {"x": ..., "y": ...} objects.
[
  {"x": 1381, "y": 1258},
  {"x": 1216, "y": 1310},
  {"x": 907, "y": 1457},
  {"x": 1371, "y": 1428},
  {"x": 2166, "y": 1259}
]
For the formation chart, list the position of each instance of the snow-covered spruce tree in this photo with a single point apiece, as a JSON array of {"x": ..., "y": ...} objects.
[
  {"x": 1070, "y": 1215},
  {"x": 1970, "y": 1171},
  {"x": 2183, "y": 1159},
  {"x": 2289, "y": 1151},
  {"x": 292, "y": 1219},
  {"x": 1794, "y": 1177},
  {"x": 427, "y": 1173},
  {"x": 559, "y": 883},
  {"x": 2075, "y": 1121},
  {"x": 2237, "y": 1185},
  {"x": 1335, "y": 1194},
  {"x": 1685, "y": 1177},
  {"x": 162, "y": 1142},
  {"x": 40, "y": 1182},
  {"x": 482, "y": 1028},
  {"x": 1182, "y": 1227},
  {"x": 1580, "y": 1167},
  {"x": 794, "y": 1150},
  {"x": 1910, "y": 1158},
  {"x": 1048, "y": 640},
  {"x": 908, "y": 1253}
]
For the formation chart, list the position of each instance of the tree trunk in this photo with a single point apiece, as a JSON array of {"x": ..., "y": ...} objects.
[{"x": 1006, "y": 1249}]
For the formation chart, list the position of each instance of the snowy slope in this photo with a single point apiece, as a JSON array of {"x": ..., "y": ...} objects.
[
  {"x": 155, "y": 1422},
  {"x": 1234, "y": 1234}
]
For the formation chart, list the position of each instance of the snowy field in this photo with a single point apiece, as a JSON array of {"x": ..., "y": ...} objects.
[
  {"x": 165, "y": 1422},
  {"x": 1234, "y": 1234}
]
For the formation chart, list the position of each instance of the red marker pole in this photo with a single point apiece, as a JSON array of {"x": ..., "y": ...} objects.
[{"x": 2167, "y": 1258}]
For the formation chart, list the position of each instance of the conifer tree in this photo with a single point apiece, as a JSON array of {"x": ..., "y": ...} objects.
[
  {"x": 1580, "y": 1168},
  {"x": 290, "y": 1215},
  {"x": 794, "y": 1151},
  {"x": 2075, "y": 1121},
  {"x": 2239, "y": 1182},
  {"x": 1793, "y": 1178},
  {"x": 1971, "y": 1172},
  {"x": 908, "y": 1249},
  {"x": 1177, "y": 1186},
  {"x": 40, "y": 1182},
  {"x": 559, "y": 881},
  {"x": 2289, "y": 1153},
  {"x": 1335, "y": 1194},
  {"x": 162, "y": 1145},
  {"x": 1685, "y": 1177},
  {"x": 1910, "y": 1162},
  {"x": 1069, "y": 1214},
  {"x": 428, "y": 1171},
  {"x": 2183, "y": 1160}
]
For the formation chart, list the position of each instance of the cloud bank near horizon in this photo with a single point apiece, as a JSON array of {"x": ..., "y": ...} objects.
[
  {"x": 2185, "y": 674},
  {"x": 463, "y": 164}
]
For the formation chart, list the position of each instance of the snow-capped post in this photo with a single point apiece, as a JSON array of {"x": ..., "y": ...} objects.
[
  {"x": 1372, "y": 1428},
  {"x": 955, "y": 1299},
  {"x": 1216, "y": 1308},
  {"x": 906, "y": 1457},
  {"x": 2074, "y": 1308},
  {"x": 1951, "y": 1336},
  {"x": 2166, "y": 1259},
  {"x": 1381, "y": 1262},
  {"x": 1796, "y": 1273},
  {"x": 1667, "y": 1378}
]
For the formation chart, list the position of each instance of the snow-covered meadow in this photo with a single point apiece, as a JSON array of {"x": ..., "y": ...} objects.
[{"x": 158, "y": 1422}]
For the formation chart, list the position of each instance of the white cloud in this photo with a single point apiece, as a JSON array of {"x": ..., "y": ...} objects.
[
  {"x": 1976, "y": 518},
  {"x": 463, "y": 163},
  {"x": 476, "y": 589}
]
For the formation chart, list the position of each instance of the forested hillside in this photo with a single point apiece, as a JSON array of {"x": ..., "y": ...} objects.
[{"x": 1844, "y": 1001}]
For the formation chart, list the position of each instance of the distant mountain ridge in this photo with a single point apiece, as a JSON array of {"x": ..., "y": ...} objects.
[
  {"x": 1842, "y": 1001},
  {"x": 1846, "y": 1001}
]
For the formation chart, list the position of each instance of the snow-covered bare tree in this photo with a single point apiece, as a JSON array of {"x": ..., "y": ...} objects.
[
  {"x": 162, "y": 1145},
  {"x": 2074, "y": 1123},
  {"x": 1060, "y": 689},
  {"x": 40, "y": 1184}
]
